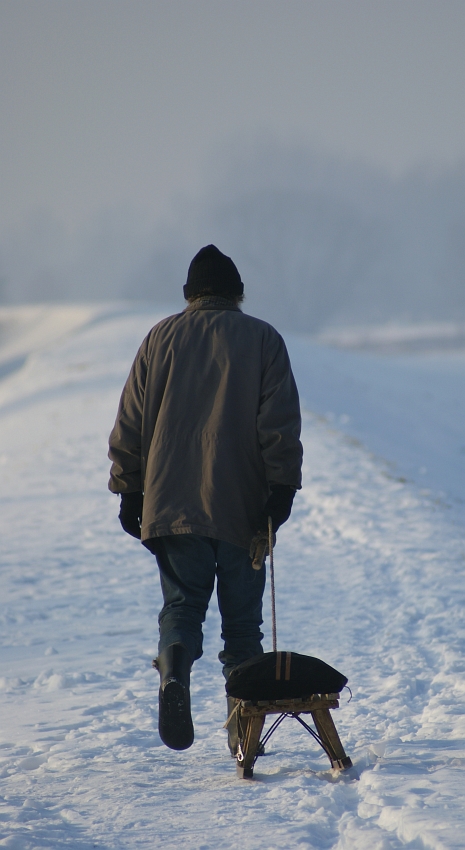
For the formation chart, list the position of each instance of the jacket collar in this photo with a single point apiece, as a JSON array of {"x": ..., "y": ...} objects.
[{"x": 211, "y": 302}]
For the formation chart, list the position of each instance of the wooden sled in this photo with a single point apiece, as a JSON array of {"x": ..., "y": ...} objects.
[
  {"x": 276, "y": 673},
  {"x": 251, "y": 718}
]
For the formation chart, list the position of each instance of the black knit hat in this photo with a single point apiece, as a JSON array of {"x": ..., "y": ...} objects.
[{"x": 213, "y": 273}]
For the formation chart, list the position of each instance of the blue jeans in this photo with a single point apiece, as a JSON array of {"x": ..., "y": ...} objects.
[{"x": 188, "y": 565}]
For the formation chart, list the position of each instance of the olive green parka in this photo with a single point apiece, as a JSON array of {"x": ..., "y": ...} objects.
[{"x": 208, "y": 418}]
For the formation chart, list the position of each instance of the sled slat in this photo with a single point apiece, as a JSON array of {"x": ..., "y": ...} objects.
[{"x": 289, "y": 706}]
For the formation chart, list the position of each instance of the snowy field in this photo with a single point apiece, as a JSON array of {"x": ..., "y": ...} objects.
[{"x": 370, "y": 577}]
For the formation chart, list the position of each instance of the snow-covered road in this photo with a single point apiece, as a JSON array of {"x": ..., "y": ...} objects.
[{"x": 370, "y": 577}]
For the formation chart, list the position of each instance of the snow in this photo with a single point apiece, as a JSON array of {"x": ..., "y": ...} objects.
[{"x": 370, "y": 577}]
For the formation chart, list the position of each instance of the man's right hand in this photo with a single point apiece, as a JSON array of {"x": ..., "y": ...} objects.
[
  {"x": 130, "y": 514},
  {"x": 278, "y": 507}
]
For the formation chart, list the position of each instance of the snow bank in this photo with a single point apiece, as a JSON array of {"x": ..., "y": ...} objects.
[
  {"x": 396, "y": 338},
  {"x": 408, "y": 410}
]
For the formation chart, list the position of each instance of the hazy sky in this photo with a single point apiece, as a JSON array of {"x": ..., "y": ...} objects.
[{"x": 107, "y": 102}]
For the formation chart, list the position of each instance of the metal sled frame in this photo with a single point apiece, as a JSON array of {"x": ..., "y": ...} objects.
[{"x": 251, "y": 718}]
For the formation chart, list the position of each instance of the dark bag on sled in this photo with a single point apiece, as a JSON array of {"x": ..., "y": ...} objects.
[{"x": 283, "y": 675}]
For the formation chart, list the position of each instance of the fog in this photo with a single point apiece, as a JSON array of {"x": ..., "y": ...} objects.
[
  {"x": 319, "y": 241},
  {"x": 320, "y": 144}
]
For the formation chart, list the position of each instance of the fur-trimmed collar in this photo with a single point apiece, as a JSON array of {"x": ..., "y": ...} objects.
[{"x": 212, "y": 302}]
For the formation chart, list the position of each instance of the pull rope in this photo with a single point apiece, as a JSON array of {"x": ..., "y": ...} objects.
[{"x": 273, "y": 595}]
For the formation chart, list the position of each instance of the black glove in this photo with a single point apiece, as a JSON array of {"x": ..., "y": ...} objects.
[
  {"x": 278, "y": 507},
  {"x": 130, "y": 513}
]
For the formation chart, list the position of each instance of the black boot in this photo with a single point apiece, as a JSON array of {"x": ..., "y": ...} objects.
[{"x": 174, "y": 715}]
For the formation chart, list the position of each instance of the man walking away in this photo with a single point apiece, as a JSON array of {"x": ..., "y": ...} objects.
[{"x": 205, "y": 447}]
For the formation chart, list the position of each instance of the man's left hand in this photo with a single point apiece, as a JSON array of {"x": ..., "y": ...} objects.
[{"x": 130, "y": 514}]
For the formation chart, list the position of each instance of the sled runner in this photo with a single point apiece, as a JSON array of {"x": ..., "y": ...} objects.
[{"x": 286, "y": 684}]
